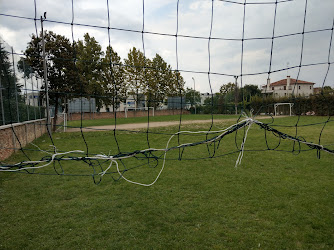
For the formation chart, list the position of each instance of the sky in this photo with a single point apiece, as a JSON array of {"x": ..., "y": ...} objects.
[{"x": 195, "y": 22}]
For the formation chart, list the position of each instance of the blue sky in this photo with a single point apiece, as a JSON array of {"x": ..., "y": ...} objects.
[{"x": 194, "y": 19}]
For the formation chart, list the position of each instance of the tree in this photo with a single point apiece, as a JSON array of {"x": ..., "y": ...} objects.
[
  {"x": 211, "y": 104},
  {"x": 90, "y": 56},
  {"x": 248, "y": 92},
  {"x": 192, "y": 96},
  {"x": 158, "y": 84},
  {"x": 61, "y": 71},
  {"x": 327, "y": 89},
  {"x": 8, "y": 80},
  {"x": 176, "y": 84},
  {"x": 9, "y": 87},
  {"x": 135, "y": 74},
  {"x": 153, "y": 78},
  {"x": 24, "y": 67},
  {"x": 113, "y": 78},
  {"x": 227, "y": 92},
  {"x": 227, "y": 88}
]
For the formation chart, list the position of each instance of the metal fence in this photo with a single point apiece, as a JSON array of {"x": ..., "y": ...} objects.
[{"x": 20, "y": 97}]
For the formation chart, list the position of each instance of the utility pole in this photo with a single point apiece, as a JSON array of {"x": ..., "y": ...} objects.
[
  {"x": 236, "y": 95},
  {"x": 15, "y": 88},
  {"x": 48, "y": 118},
  {"x": 26, "y": 100},
  {"x": 194, "y": 95}
]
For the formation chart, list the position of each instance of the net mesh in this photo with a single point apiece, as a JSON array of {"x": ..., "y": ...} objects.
[{"x": 155, "y": 147}]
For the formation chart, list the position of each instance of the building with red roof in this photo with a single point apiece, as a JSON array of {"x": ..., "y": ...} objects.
[{"x": 287, "y": 87}]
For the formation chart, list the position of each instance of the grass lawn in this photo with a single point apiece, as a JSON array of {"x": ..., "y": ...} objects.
[
  {"x": 101, "y": 122},
  {"x": 273, "y": 200}
]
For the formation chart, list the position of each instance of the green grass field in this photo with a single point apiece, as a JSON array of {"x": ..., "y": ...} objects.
[{"x": 273, "y": 200}]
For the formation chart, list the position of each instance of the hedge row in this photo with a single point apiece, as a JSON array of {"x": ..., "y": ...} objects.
[{"x": 322, "y": 104}]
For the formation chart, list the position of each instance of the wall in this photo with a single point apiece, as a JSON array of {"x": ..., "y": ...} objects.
[
  {"x": 110, "y": 115},
  {"x": 304, "y": 90},
  {"x": 17, "y": 135}
]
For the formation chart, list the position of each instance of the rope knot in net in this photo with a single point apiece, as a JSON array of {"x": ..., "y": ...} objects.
[{"x": 249, "y": 121}]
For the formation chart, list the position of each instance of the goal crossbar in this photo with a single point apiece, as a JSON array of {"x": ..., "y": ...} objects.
[{"x": 140, "y": 109}]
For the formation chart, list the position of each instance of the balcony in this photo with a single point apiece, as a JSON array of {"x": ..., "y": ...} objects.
[{"x": 264, "y": 90}]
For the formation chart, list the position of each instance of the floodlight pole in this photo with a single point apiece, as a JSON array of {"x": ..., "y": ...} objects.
[
  {"x": 48, "y": 118},
  {"x": 194, "y": 94},
  {"x": 236, "y": 95}
]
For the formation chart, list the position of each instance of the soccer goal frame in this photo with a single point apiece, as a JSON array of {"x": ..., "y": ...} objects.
[
  {"x": 140, "y": 109},
  {"x": 283, "y": 103},
  {"x": 64, "y": 122}
]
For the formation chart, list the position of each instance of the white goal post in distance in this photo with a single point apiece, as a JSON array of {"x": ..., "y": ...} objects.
[
  {"x": 62, "y": 116},
  {"x": 285, "y": 103},
  {"x": 141, "y": 109}
]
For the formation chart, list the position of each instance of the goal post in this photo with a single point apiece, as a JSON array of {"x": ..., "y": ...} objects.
[
  {"x": 62, "y": 116},
  {"x": 140, "y": 109},
  {"x": 283, "y": 103}
]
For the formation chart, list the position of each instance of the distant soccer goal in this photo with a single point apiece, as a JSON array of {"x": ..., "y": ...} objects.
[
  {"x": 126, "y": 110},
  {"x": 276, "y": 108},
  {"x": 62, "y": 120}
]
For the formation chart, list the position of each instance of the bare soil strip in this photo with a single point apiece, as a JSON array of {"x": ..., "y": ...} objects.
[{"x": 139, "y": 126}]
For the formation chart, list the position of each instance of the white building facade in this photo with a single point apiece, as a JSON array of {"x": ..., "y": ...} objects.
[
  {"x": 204, "y": 96},
  {"x": 287, "y": 87}
]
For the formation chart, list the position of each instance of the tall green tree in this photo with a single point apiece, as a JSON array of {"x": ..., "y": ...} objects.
[
  {"x": 160, "y": 75},
  {"x": 135, "y": 73},
  {"x": 227, "y": 93},
  {"x": 9, "y": 81},
  {"x": 176, "y": 84},
  {"x": 9, "y": 87},
  {"x": 61, "y": 71},
  {"x": 90, "y": 56},
  {"x": 113, "y": 83},
  {"x": 24, "y": 67}
]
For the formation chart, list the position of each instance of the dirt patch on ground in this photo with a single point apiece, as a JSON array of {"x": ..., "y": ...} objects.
[{"x": 139, "y": 126}]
